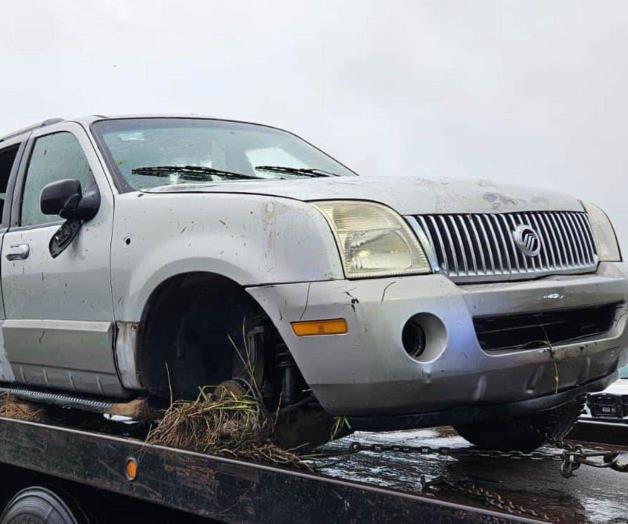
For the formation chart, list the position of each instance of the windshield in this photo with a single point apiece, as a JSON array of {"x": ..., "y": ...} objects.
[
  {"x": 145, "y": 153},
  {"x": 623, "y": 372}
]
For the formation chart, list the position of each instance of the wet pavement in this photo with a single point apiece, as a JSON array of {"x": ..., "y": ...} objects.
[{"x": 592, "y": 495}]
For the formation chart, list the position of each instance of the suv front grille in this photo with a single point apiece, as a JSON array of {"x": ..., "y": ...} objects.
[
  {"x": 543, "y": 329},
  {"x": 484, "y": 247}
]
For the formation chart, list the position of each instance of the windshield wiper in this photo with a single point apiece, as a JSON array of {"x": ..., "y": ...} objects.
[
  {"x": 193, "y": 173},
  {"x": 305, "y": 171}
]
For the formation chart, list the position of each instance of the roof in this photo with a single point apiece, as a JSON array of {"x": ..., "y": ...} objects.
[{"x": 87, "y": 120}]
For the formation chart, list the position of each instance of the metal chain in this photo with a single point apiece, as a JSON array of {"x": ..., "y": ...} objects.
[
  {"x": 490, "y": 498},
  {"x": 575, "y": 455},
  {"x": 571, "y": 457}
]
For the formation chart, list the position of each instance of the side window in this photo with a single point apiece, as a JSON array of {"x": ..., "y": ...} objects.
[
  {"x": 7, "y": 158},
  {"x": 54, "y": 157}
]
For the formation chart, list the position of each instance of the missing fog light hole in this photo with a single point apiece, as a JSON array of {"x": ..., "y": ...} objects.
[{"x": 414, "y": 338}]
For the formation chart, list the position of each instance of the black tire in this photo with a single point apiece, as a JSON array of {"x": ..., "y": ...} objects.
[
  {"x": 523, "y": 433},
  {"x": 37, "y": 505}
]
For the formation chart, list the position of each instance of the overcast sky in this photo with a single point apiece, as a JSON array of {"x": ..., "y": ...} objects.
[{"x": 532, "y": 92}]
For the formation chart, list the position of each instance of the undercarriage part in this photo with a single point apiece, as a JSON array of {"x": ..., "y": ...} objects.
[
  {"x": 59, "y": 399},
  {"x": 523, "y": 433},
  {"x": 304, "y": 427},
  {"x": 140, "y": 409},
  {"x": 289, "y": 375}
]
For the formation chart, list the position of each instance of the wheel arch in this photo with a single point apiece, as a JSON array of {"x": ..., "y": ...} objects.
[{"x": 169, "y": 294}]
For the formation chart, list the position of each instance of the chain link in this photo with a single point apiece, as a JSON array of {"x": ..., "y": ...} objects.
[
  {"x": 490, "y": 498},
  {"x": 570, "y": 456}
]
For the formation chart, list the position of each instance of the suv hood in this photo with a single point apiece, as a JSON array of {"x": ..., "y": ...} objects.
[{"x": 407, "y": 195}]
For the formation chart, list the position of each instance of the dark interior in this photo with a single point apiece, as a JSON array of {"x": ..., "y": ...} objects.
[{"x": 7, "y": 158}]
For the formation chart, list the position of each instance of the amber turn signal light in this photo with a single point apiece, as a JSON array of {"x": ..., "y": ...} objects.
[
  {"x": 131, "y": 469},
  {"x": 308, "y": 328}
]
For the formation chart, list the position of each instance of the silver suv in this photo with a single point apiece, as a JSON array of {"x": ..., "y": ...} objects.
[{"x": 148, "y": 255}]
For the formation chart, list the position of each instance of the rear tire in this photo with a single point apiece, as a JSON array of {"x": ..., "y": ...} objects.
[
  {"x": 37, "y": 505},
  {"x": 523, "y": 433}
]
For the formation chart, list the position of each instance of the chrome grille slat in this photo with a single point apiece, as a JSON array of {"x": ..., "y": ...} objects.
[
  {"x": 544, "y": 254},
  {"x": 512, "y": 242},
  {"x": 498, "y": 251},
  {"x": 426, "y": 230},
  {"x": 524, "y": 220},
  {"x": 477, "y": 239},
  {"x": 487, "y": 242},
  {"x": 560, "y": 260},
  {"x": 518, "y": 254},
  {"x": 482, "y": 246},
  {"x": 442, "y": 255},
  {"x": 452, "y": 247},
  {"x": 504, "y": 245},
  {"x": 585, "y": 228},
  {"x": 547, "y": 243},
  {"x": 452, "y": 220},
  {"x": 570, "y": 241},
  {"x": 565, "y": 262},
  {"x": 583, "y": 236},
  {"x": 582, "y": 258},
  {"x": 469, "y": 243}
]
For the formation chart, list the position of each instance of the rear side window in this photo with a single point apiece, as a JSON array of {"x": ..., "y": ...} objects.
[
  {"x": 7, "y": 159},
  {"x": 54, "y": 157}
]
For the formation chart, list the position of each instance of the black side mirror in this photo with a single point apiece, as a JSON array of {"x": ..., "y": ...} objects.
[{"x": 66, "y": 199}]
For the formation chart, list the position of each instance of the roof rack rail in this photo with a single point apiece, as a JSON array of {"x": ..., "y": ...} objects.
[{"x": 45, "y": 123}]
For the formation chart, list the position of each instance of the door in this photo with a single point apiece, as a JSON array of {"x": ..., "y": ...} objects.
[
  {"x": 59, "y": 328},
  {"x": 9, "y": 160}
]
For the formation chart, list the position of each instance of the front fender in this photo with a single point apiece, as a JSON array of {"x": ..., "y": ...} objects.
[{"x": 251, "y": 239}]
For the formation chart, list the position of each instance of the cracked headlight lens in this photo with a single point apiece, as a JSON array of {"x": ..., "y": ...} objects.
[
  {"x": 606, "y": 243},
  {"x": 373, "y": 240}
]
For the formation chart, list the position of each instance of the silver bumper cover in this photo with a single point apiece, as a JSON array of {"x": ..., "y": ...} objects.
[{"x": 368, "y": 373}]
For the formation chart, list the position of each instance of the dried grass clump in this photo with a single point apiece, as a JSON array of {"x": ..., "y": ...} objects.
[
  {"x": 222, "y": 422},
  {"x": 10, "y": 407}
]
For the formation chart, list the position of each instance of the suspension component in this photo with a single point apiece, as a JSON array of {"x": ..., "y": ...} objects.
[{"x": 289, "y": 375}]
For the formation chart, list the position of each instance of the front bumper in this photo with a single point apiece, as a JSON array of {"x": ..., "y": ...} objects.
[{"x": 368, "y": 373}]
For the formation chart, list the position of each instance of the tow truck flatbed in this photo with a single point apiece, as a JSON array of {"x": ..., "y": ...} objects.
[
  {"x": 361, "y": 487},
  {"x": 215, "y": 487}
]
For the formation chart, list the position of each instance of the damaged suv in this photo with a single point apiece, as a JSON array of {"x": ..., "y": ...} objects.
[{"x": 150, "y": 256}]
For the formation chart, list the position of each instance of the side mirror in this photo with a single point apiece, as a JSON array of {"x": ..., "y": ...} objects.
[{"x": 66, "y": 199}]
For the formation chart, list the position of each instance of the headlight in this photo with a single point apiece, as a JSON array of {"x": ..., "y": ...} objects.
[
  {"x": 604, "y": 234},
  {"x": 373, "y": 240}
]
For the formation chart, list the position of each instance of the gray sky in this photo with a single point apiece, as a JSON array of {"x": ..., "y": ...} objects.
[{"x": 532, "y": 92}]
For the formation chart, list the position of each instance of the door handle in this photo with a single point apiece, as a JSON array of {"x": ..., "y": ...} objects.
[{"x": 18, "y": 252}]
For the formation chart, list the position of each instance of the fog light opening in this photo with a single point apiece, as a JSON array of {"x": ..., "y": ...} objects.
[{"x": 414, "y": 338}]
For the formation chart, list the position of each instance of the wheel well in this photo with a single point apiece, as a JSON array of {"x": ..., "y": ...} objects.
[{"x": 192, "y": 332}]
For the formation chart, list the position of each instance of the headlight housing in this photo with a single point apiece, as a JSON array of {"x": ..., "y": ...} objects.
[
  {"x": 603, "y": 233},
  {"x": 373, "y": 240}
]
